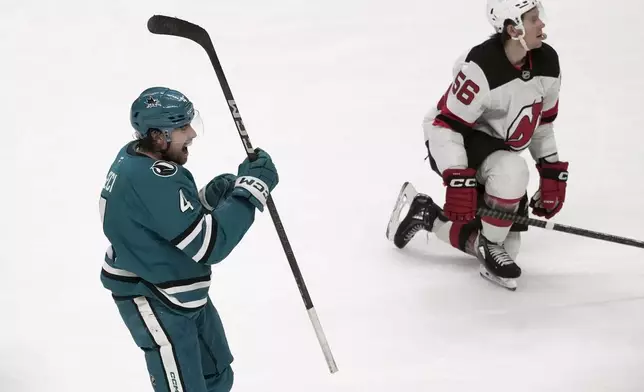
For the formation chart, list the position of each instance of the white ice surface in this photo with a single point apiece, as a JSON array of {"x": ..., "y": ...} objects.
[{"x": 336, "y": 92}]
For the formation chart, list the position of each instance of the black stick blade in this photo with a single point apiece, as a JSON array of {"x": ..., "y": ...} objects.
[{"x": 167, "y": 25}]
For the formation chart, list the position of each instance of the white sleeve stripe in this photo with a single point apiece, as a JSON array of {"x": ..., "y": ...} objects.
[
  {"x": 110, "y": 252},
  {"x": 186, "y": 305},
  {"x": 183, "y": 289},
  {"x": 118, "y": 272},
  {"x": 206, "y": 240},
  {"x": 166, "y": 351},
  {"x": 202, "y": 198},
  {"x": 102, "y": 202},
  {"x": 191, "y": 237}
]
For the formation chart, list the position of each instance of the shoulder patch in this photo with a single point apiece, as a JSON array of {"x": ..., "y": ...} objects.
[{"x": 164, "y": 168}]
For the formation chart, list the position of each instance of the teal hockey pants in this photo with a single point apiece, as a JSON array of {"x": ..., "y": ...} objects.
[{"x": 184, "y": 353}]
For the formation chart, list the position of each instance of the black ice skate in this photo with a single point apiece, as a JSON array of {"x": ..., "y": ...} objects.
[
  {"x": 496, "y": 264},
  {"x": 421, "y": 215}
]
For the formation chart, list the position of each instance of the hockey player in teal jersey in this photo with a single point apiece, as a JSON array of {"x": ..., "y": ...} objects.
[{"x": 164, "y": 236}]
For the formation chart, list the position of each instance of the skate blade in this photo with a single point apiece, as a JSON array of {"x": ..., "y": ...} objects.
[
  {"x": 510, "y": 284},
  {"x": 405, "y": 197}
]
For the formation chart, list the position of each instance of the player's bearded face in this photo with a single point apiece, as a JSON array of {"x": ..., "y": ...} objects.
[{"x": 181, "y": 139}]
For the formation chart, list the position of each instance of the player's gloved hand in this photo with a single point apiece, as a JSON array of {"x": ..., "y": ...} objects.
[
  {"x": 549, "y": 199},
  {"x": 217, "y": 190},
  {"x": 460, "y": 197},
  {"x": 256, "y": 179}
]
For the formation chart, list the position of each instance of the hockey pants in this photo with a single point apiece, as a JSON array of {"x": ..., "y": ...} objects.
[{"x": 184, "y": 353}]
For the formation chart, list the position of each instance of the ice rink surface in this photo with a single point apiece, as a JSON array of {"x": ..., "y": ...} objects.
[{"x": 335, "y": 91}]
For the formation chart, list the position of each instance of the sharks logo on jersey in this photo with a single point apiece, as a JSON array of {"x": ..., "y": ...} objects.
[{"x": 164, "y": 168}]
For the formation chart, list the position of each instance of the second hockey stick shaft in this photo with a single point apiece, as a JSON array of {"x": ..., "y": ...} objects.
[{"x": 559, "y": 227}]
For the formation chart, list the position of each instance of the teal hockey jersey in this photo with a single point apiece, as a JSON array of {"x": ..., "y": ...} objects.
[{"x": 163, "y": 240}]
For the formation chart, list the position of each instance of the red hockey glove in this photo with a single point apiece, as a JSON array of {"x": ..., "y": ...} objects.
[
  {"x": 549, "y": 199},
  {"x": 460, "y": 196}
]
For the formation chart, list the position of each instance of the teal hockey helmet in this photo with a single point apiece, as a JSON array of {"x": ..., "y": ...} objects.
[{"x": 160, "y": 108}]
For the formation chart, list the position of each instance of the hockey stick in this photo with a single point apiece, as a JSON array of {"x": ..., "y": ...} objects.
[
  {"x": 558, "y": 227},
  {"x": 165, "y": 25}
]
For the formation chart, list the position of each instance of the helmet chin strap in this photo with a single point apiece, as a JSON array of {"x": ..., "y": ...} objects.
[{"x": 522, "y": 40}]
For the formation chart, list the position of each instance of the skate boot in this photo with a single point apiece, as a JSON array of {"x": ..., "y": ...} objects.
[
  {"x": 421, "y": 215},
  {"x": 496, "y": 264}
]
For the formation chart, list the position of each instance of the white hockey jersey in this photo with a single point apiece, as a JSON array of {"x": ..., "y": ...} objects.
[{"x": 492, "y": 105}]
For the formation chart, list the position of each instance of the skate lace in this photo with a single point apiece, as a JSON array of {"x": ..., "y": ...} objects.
[
  {"x": 499, "y": 255},
  {"x": 412, "y": 232},
  {"x": 424, "y": 217}
]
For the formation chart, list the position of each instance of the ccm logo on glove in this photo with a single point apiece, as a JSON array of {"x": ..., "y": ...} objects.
[
  {"x": 255, "y": 186},
  {"x": 463, "y": 183},
  {"x": 461, "y": 195}
]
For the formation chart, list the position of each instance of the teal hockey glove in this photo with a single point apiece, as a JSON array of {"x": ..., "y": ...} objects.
[
  {"x": 256, "y": 179},
  {"x": 217, "y": 190}
]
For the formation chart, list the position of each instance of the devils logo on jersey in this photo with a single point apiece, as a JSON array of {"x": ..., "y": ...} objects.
[{"x": 523, "y": 126}]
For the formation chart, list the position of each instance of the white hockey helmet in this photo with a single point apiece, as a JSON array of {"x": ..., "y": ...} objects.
[{"x": 498, "y": 11}]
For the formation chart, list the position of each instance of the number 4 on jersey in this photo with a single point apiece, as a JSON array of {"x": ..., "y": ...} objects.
[{"x": 184, "y": 204}]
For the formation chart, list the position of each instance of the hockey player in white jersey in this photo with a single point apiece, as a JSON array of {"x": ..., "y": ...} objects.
[{"x": 503, "y": 100}]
